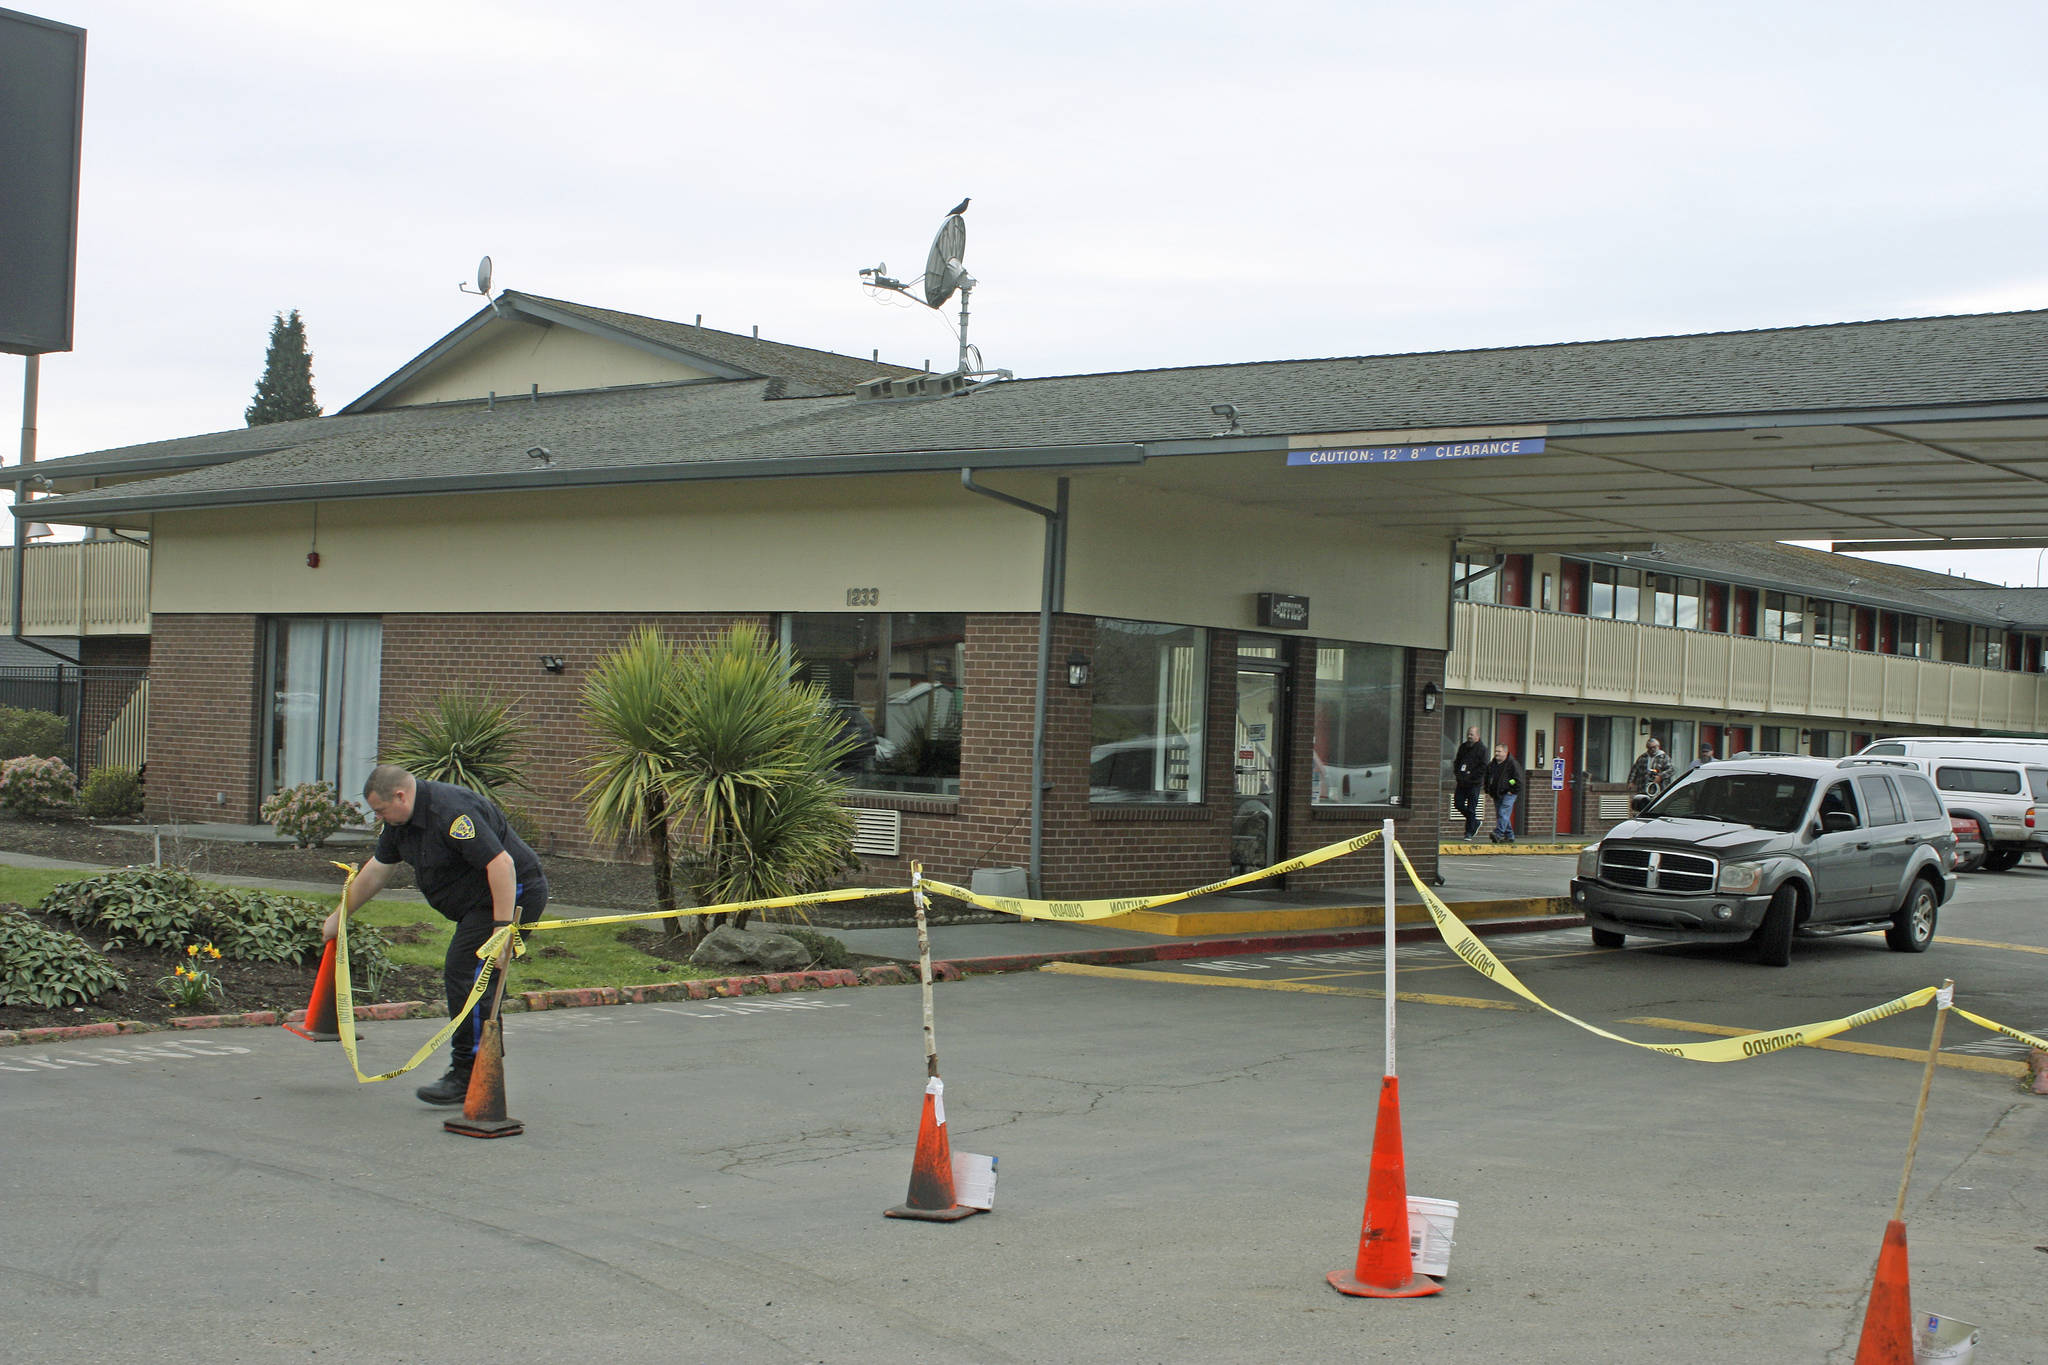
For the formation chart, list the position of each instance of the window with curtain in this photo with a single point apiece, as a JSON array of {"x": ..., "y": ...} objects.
[
  {"x": 1677, "y": 602},
  {"x": 1360, "y": 724},
  {"x": 1477, "y": 579},
  {"x": 1784, "y": 617},
  {"x": 1613, "y": 592},
  {"x": 1610, "y": 747},
  {"x": 1832, "y": 622},
  {"x": 1145, "y": 723},
  {"x": 324, "y": 678},
  {"x": 896, "y": 681}
]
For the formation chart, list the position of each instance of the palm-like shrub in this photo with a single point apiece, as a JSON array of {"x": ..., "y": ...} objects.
[
  {"x": 469, "y": 739},
  {"x": 751, "y": 773},
  {"x": 629, "y": 709}
]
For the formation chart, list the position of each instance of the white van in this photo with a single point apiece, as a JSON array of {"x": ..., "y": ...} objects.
[
  {"x": 2000, "y": 796},
  {"x": 2012, "y": 750}
]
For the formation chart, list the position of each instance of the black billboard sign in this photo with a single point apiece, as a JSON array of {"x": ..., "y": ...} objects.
[{"x": 42, "y": 104}]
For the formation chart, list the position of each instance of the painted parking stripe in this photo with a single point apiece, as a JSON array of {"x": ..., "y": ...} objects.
[
  {"x": 45, "y": 1064},
  {"x": 1302, "y": 987}
]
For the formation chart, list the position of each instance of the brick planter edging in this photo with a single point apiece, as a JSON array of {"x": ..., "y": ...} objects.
[{"x": 778, "y": 983}]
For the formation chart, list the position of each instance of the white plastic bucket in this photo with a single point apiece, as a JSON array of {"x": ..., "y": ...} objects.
[
  {"x": 1936, "y": 1338},
  {"x": 1430, "y": 1224}
]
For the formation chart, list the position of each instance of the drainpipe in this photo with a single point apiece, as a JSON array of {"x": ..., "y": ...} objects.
[{"x": 1051, "y": 598}]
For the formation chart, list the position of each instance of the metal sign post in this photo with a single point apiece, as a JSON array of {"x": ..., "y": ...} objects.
[{"x": 1387, "y": 847}]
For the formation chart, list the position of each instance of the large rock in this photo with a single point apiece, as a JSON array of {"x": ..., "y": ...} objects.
[{"x": 725, "y": 948}]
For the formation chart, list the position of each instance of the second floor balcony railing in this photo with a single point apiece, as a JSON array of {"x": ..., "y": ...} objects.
[
  {"x": 79, "y": 587},
  {"x": 1583, "y": 658}
]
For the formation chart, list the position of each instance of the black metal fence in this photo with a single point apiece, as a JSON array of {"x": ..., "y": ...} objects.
[{"x": 102, "y": 709}]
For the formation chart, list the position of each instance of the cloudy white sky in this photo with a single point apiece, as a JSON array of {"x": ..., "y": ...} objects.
[{"x": 1154, "y": 183}]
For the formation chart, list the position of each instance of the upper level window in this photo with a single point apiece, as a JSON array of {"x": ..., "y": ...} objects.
[
  {"x": 1476, "y": 579},
  {"x": 1784, "y": 617},
  {"x": 1145, "y": 724},
  {"x": 1676, "y": 601},
  {"x": 897, "y": 681},
  {"x": 1831, "y": 623},
  {"x": 1615, "y": 593}
]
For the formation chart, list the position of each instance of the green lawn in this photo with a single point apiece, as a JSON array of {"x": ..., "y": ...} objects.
[{"x": 591, "y": 957}]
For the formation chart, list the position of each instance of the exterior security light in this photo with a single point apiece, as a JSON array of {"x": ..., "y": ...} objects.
[
  {"x": 1431, "y": 695},
  {"x": 552, "y": 663},
  {"x": 1077, "y": 669},
  {"x": 542, "y": 456},
  {"x": 1228, "y": 412}
]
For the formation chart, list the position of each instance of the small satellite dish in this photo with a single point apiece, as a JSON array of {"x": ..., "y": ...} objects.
[
  {"x": 943, "y": 270},
  {"x": 483, "y": 279}
]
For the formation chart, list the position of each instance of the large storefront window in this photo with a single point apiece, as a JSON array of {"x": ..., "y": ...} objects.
[
  {"x": 323, "y": 680},
  {"x": 897, "y": 681},
  {"x": 1359, "y": 724},
  {"x": 1145, "y": 728}
]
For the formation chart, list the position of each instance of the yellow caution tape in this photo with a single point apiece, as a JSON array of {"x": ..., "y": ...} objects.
[
  {"x": 2029, "y": 1039},
  {"x": 1742, "y": 1047},
  {"x": 1104, "y": 909}
]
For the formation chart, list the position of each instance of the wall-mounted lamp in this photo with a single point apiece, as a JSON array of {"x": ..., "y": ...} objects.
[
  {"x": 1077, "y": 669},
  {"x": 1643, "y": 726},
  {"x": 552, "y": 663},
  {"x": 1431, "y": 695},
  {"x": 1806, "y": 736}
]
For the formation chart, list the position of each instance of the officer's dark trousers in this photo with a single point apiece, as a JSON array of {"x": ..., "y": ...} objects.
[
  {"x": 1466, "y": 799},
  {"x": 460, "y": 971}
]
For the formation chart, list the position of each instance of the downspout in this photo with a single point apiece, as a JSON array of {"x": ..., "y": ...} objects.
[{"x": 1051, "y": 598}]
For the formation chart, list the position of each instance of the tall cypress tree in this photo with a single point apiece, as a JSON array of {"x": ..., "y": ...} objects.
[{"x": 285, "y": 392}]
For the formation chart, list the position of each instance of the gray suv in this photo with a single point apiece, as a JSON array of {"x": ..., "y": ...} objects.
[{"x": 1765, "y": 847}]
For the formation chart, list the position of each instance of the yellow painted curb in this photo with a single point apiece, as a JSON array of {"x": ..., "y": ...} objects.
[
  {"x": 1209, "y": 923},
  {"x": 1489, "y": 850}
]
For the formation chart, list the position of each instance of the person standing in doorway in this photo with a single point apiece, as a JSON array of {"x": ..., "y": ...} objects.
[
  {"x": 1468, "y": 772},
  {"x": 1652, "y": 770},
  {"x": 471, "y": 867},
  {"x": 1504, "y": 785}
]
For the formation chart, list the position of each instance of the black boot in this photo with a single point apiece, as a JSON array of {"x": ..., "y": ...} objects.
[{"x": 450, "y": 1089}]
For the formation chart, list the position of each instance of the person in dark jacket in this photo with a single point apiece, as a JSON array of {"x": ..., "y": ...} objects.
[
  {"x": 1468, "y": 771},
  {"x": 1504, "y": 785}
]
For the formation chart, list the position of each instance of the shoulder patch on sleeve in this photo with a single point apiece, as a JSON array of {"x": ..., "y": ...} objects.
[{"x": 462, "y": 828}]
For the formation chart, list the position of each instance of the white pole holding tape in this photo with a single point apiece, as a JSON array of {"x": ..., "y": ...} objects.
[{"x": 1387, "y": 847}]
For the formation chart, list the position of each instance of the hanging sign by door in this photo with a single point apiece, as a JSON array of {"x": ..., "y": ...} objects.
[{"x": 1283, "y": 611}]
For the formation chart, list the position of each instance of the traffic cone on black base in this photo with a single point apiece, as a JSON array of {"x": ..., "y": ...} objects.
[
  {"x": 1386, "y": 1264},
  {"x": 931, "y": 1169},
  {"x": 1888, "y": 1321},
  {"x": 322, "y": 1024},
  {"x": 483, "y": 1109}
]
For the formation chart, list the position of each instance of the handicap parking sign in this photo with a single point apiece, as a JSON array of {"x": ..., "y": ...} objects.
[{"x": 1557, "y": 773}]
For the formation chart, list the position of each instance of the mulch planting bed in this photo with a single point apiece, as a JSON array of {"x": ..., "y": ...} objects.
[
  {"x": 245, "y": 987},
  {"x": 584, "y": 882}
]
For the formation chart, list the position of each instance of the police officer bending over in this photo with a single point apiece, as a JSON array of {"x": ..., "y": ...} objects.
[{"x": 471, "y": 867}]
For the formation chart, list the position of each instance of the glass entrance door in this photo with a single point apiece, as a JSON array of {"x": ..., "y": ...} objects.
[{"x": 1260, "y": 768}]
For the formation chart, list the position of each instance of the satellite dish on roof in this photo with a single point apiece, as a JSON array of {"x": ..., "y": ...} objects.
[
  {"x": 945, "y": 274},
  {"x": 483, "y": 279},
  {"x": 943, "y": 270}
]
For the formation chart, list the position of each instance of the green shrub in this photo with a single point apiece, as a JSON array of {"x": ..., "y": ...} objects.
[
  {"x": 42, "y": 967},
  {"x": 827, "y": 953},
  {"x": 33, "y": 734},
  {"x": 153, "y": 907},
  {"x": 308, "y": 813},
  {"x": 36, "y": 786},
  {"x": 469, "y": 739},
  {"x": 111, "y": 794}
]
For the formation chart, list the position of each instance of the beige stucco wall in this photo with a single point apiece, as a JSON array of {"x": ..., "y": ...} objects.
[
  {"x": 508, "y": 357},
  {"x": 1162, "y": 555},
  {"x": 787, "y": 545}
]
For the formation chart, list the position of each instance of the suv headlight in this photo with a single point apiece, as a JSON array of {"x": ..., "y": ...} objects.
[
  {"x": 1740, "y": 878},
  {"x": 1589, "y": 861}
]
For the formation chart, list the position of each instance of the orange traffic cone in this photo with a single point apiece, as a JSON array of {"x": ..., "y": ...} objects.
[
  {"x": 931, "y": 1169},
  {"x": 1386, "y": 1266},
  {"x": 1888, "y": 1321},
  {"x": 322, "y": 1024},
  {"x": 483, "y": 1107}
]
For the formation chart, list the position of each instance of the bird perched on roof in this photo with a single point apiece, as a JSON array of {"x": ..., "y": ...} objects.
[{"x": 960, "y": 208}]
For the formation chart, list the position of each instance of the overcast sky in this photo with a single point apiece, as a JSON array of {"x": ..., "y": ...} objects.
[{"x": 1154, "y": 184}]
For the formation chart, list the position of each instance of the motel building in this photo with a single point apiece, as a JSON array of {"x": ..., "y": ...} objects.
[{"x": 1130, "y": 632}]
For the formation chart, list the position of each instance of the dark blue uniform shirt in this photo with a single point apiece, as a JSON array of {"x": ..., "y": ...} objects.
[{"x": 452, "y": 836}]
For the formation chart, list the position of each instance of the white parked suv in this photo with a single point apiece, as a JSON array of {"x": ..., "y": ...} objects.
[{"x": 2000, "y": 796}]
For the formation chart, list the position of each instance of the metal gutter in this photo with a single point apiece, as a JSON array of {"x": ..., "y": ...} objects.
[
  {"x": 562, "y": 477},
  {"x": 1051, "y": 598}
]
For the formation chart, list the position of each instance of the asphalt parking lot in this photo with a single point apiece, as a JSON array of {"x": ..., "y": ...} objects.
[{"x": 1182, "y": 1161}]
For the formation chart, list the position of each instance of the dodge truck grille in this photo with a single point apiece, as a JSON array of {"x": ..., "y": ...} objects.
[{"x": 1656, "y": 869}]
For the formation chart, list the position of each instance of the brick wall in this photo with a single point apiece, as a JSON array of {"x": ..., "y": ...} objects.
[{"x": 205, "y": 673}]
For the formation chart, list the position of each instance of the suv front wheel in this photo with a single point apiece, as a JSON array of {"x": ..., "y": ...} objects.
[
  {"x": 1913, "y": 927},
  {"x": 1773, "y": 938}
]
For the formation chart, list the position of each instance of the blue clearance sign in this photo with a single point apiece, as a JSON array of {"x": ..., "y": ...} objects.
[{"x": 1447, "y": 450}]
